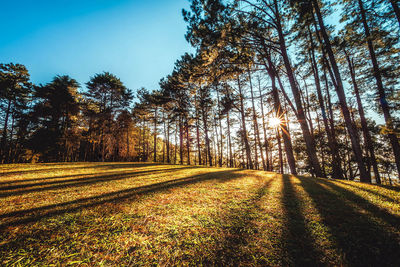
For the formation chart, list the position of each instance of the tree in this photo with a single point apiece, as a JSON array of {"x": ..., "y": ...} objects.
[
  {"x": 109, "y": 96},
  {"x": 363, "y": 19},
  {"x": 55, "y": 113},
  {"x": 14, "y": 91}
]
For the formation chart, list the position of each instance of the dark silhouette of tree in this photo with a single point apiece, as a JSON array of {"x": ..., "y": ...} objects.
[
  {"x": 108, "y": 96},
  {"x": 55, "y": 114},
  {"x": 14, "y": 92}
]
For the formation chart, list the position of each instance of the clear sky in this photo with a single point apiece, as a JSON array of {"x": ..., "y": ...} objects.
[{"x": 137, "y": 40}]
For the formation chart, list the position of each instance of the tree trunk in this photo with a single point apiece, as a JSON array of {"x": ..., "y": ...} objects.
[
  {"x": 103, "y": 146},
  {"x": 396, "y": 9},
  {"x": 214, "y": 135},
  {"x": 309, "y": 140},
  {"x": 381, "y": 91},
  {"x": 155, "y": 136},
  {"x": 342, "y": 97},
  {"x": 256, "y": 130},
  {"x": 268, "y": 165},
  {"x": 165, "y": 135},
  {"x": 229, "y": 140},
  {"x": 9, "y": 150},
  {"x": 127, "y": 144},
  {"x": 220, "y": 131},
  {"x": 322, "y": 150},
  {"x": 367, "y": 136},
  {"x": 176, "y": 142},
  {"x": 168, "y": 143},
  {"x": 307, "y": 107},
  {"x": 217, "y": 143},
  {"x": 180, "y": 140},
  {"x": 144, "y": 143},
  {"x": 187, "y": 141},
  {"x": 255, "y": 126},
  {"x": 332, "y": 143},
  {"x": 198, "y": 139},
  {"x": 246, "y": 141},
  {"x": 208, "y": 152},
  {"x": 280, "y": 153},
  {"x": 4, "y": 138},
  {"x": 279, "y": 113}
]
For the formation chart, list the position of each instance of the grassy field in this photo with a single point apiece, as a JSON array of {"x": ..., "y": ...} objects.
[{"x": 147, "y": 214}]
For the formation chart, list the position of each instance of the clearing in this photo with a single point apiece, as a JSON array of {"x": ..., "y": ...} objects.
[{"x": 146, "y": 214}]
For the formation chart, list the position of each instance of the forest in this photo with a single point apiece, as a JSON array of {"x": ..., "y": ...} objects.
[{"x": 309, "y": 87}]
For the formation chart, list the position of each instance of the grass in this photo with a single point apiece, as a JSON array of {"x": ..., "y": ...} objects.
[{"x": 148, "y": 214}]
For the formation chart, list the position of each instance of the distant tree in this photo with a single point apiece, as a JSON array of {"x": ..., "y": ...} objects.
[
  {"x": 108, "y": 96},
  {"x": 55, "y": 115},
  {"x": 15, "y": 89}
]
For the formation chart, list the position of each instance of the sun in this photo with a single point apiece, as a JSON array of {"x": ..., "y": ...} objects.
[{"x": 274, "y": 122}]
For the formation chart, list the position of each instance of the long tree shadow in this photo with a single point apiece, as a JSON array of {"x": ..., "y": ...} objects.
[
  {"x": 238, "y": 225},
  {"x": 391, "y": 187},
  {"x": 298, "y": 239},
  {"x": 11, "y": 183},
  {"x": 36, "y": 214},
  {"x": 69, "y": 183},
  {"x": 358, "y": 187},
  {"x": 363, "y": 203},
  {"x": 79, "y": 166},
  {"x": 46, "y": 169},
  {"x": 363, "y": 241}
]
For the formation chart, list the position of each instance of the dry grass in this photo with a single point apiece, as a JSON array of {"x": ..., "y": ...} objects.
[{"x": 148, "y": 214}]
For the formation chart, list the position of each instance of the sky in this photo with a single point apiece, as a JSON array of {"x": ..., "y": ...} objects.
[{"x": 137, "y": 40}]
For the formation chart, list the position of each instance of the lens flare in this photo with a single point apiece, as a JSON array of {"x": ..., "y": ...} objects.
[{"x": 274, "y": 122}]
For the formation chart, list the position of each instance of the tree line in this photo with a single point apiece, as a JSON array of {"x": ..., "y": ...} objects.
[{"x": 271, "y": 86}]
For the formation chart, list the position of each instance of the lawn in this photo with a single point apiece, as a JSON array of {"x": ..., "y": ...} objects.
[{"x": 149, "y": 214}]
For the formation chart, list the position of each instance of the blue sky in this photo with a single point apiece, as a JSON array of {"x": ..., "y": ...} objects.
[{"x": 138, "y": 41}]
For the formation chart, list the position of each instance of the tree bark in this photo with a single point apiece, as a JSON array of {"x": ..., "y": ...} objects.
[
  {"x": 180, "y": 140},
  {"x": 176, "y": 142},
  {"x": 280, "y": 153},
  {"x": 155, "y": 135},
  {"x": 283, "y": 128},
  {"x": 367, "y": 136},
  {"x": 381, "y": 91},
  {"x": 246, "y": 140},
  {"x": 220, "y": 131},
  {"x": 229, "y": 140},
  {"x": 168, "y": 143},
  {"x": 342, "y": 97},
  {"x": 209, "y": 158},
  {"x": 4, "y": 137},
  {"x": 187, "y": 141},
  {"x": 332, "y": 142},
  {"x": 279, "y": 113},
  {"x": 256, "y": 129},
  {"x": 268, "y": 165},
  {"x": 309, "y": 140}
]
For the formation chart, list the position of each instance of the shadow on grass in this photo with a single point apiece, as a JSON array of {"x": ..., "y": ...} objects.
[
  {"x": 77, "y": 182},
  {"x": 358, "y": 187},
  {"x": 36, "y": 214},
  {"x": 299, "y": 243},
  {"x": 363, "y": 203},
  {"x": 238, "y": 228},
  {"x": 76, "y": 166},
  {"x": 364, "y": 242}
]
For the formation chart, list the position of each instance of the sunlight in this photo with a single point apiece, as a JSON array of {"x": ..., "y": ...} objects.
[{"x": 274, "y": 122}]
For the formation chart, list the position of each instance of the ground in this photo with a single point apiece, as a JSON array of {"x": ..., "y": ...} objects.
[{"x": 149, "y": 214}]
